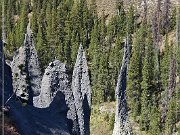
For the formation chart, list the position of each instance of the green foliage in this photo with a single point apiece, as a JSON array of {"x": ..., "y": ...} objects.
[
  {"x": 147, "y": 84},
  {"x": 135, "y": 72},
  {"x": 111, "y": 121},
  {"x": 155, "y": 121},
  {"x": 171, "y": 117},
  {"x": 165, "y": 63}
]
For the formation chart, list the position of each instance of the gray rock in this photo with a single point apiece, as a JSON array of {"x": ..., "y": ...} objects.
[
  {"x": 82, "y": 92},
  {"x": 122, "y": 125},
  {"x": 56, "y": 79},
  {"x": 26, "y": 70},
  {"x": 41, "y": 121}
]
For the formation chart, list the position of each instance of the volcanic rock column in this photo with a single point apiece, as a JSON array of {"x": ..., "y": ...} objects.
[
  {"x": 122, "y": 125},
  {"x": 82, "y": 92},
  {"x": 26, "y": 70}
]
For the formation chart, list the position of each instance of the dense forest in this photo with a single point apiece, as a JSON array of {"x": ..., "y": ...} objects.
[{"x": 60, "y": 26}]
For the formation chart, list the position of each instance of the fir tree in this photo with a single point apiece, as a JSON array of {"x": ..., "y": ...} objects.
[
  {"x": 170, "y": 126},
  {"x": 135, "y": 73},
  {"x": 147, "y": 84},
  {"x": 165, "y": 63}
]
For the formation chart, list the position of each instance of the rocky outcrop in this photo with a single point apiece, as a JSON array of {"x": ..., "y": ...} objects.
[
  {"x": 26, "y": 70},
  {"x": 56, "y": 79},
  {"x": 82, "y": 92},
  {"x": 56, "y": 105},
  {"x": 122, "y": 125}
]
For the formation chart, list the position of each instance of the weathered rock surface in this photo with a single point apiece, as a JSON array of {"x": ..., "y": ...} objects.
[
  {"x": 82, "y": 92},
  {"x": 56, "y": 79},
  {"x": 26, "y": 70},
  {"x": 122, "y": 125}
]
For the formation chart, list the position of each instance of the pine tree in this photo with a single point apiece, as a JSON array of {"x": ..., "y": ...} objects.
[
  {"x": 147, "y": 84},
  {"x": 75, "y": 46},
  {"x": 41, "y": 44},
  {"x": 135, "y": 72},
  {"x": 68, "y": 44},
  {"x": 103, "y": 78},
  {"x": 170, "y": 126},
  {"x": 120, "y": 19},
  {"x": 34, "y": 20},
  {"x": 165, "y": 63},
  {"x": 130, "y": 20},
  {"x": 94, "y": 56},
  {"x": 115, "y": 64},
  {"x": 23, "y": 21},
  {"x": 154, "y": 121}
]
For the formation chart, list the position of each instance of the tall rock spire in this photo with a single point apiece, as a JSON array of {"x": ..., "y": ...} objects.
[
  {"x": 26, "y": 70},
  {"x": 82, "y": 92},
  {"x": 122, "y": 125}
]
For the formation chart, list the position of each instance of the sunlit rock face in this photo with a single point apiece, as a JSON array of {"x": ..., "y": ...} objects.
[
  {"x": 26, "y": 70},
  {"x": 82, "y": 92}
]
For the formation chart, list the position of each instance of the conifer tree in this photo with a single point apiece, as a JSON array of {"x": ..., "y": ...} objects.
[
  {"x": 155, "y": 121},
  {"x": 102, "y": 78},
  {"x": 120, "y": 19},
  {"x": 34, "y": 20},
  {"x": 135, "y": 72},
  {"x": 115, "y": 64},
  {"x": 170, "y": 126},
  {"x": 22, "y": 23},
  {"x": 147, "y": 84},
  {"x": 165, "y": 63},
  {"x": 130, "y": 20},
  {"x": 94, "y": 56},
  {"x": 68, "y": 44}
]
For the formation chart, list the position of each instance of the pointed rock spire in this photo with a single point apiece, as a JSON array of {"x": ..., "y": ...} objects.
[
  {"x": 26, "y": 70},
  {"x": 122, "y": 125},
  {"x": 82, "y": 92}
]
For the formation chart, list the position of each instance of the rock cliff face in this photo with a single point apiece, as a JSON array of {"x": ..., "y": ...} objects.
[
  {"x": 26, "y": 70},
  {"x": 82, "y": 92},
  {"x": 122, "y": 125}
]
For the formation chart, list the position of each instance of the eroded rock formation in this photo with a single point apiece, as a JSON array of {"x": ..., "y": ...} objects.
[
  {"x": 57, "y": 103},
  {"x": 26, "y": 70},
  {"x": 82, "y": 92},
  {"x": 56, "y": 79},
  {"x": 122, "y": 125}
]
